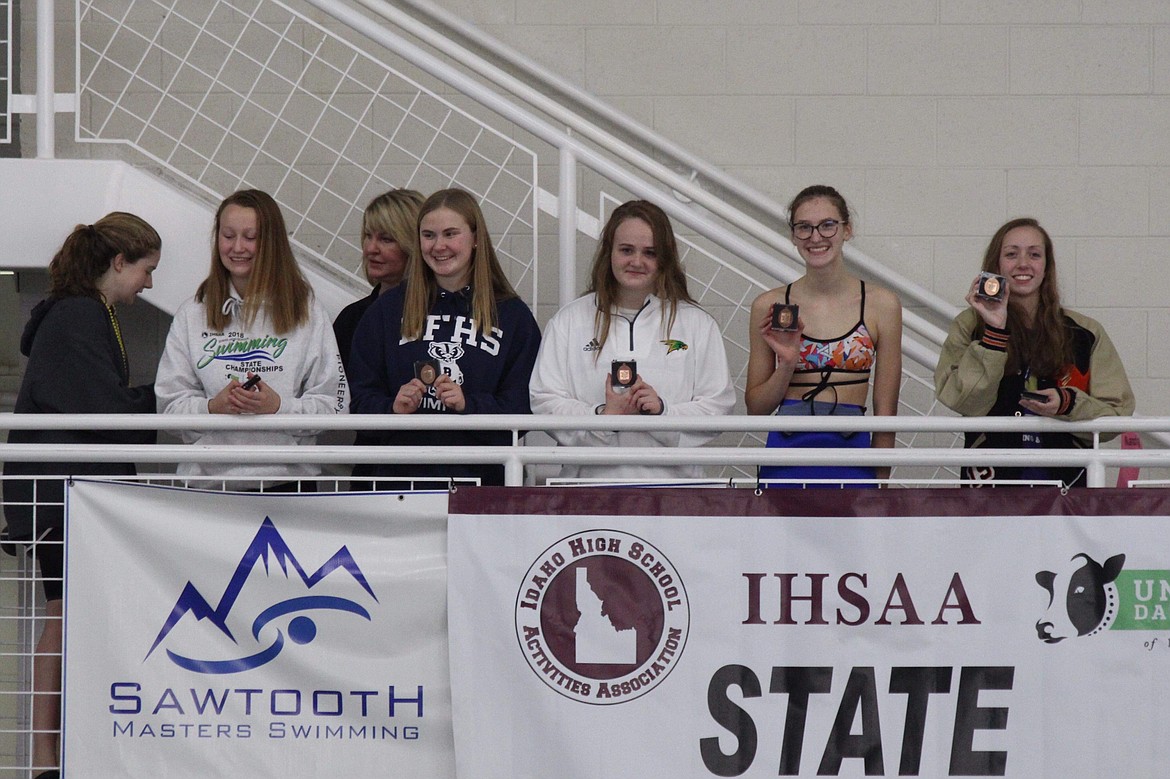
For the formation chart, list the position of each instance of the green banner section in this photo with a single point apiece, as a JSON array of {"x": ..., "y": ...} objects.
[{"x": 1143, "y": 600}]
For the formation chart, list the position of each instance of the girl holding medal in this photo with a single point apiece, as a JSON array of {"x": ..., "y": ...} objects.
[
  {"x": 635, "y": 343},
  {"x": 455, "y": 321},
  {"x": 253, "y": 340},
  {"x": 1023, "y": 353},
  {"x": 847, "y": 333}
]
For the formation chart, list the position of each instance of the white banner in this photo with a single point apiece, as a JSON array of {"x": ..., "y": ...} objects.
[
  {"x": 254, "y": 635},
  {"x": 691, "y": 633}
]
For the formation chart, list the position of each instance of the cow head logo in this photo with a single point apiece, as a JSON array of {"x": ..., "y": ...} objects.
[{"x": 1082, "y": 598}]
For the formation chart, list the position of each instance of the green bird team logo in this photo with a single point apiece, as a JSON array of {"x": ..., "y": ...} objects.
[{"x": 673, "y": 345}]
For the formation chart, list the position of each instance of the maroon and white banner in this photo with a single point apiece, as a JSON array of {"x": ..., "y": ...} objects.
[
  {"x": 688, "y": 633},
  {"x": 255, "y": 635}
]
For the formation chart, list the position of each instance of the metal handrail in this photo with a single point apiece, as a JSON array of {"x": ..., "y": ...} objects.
[
  {"x": 514, "y": 458},
  {"x": 551, "y": 83},
  {"x": 570, "y": 455},
  {"x": 528, "y": 422},
  {"x": 619, "y": 173}
]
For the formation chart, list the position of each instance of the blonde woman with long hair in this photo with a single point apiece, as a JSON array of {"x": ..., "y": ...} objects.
[
  {"x": 453, "y": 339},
  {"x": 388, "y": 244}
]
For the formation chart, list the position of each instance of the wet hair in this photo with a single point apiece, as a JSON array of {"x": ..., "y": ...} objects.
[
  {"x": 394, "y": 213},
  {"x": 813, "y": 192},
  {"x": 1044, "y": 348},
  {"x": 88, "y": 251},
  {"x": 276, "y": 286},
  {"x": 671, "y": 284},
  {"x": 488, "y": 282}
]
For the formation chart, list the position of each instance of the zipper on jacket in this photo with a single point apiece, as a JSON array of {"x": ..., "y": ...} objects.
[{"x": 631, "y": 322}]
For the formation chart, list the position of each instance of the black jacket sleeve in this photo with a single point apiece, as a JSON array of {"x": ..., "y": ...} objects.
[{"x": 75, "y": 367}]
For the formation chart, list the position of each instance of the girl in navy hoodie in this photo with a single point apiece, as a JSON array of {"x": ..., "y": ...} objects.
[{"x": 453, "y": 339}]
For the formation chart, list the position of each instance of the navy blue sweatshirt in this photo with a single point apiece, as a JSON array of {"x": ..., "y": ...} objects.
[{"x": 493, "y": 370}]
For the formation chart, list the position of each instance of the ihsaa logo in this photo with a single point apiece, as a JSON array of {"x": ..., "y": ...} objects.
[
  {"x": 602, "y": 616},
  {"x": 269, "y": 631}
]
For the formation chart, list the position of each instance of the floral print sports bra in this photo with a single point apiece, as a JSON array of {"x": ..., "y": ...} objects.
[{"x": 838, "y": 361}]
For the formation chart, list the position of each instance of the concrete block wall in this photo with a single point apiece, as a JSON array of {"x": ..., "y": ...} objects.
[{"x": 938, "y": 120}]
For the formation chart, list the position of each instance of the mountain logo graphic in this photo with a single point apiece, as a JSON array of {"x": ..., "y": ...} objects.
[{"x": 269, "y": 547}]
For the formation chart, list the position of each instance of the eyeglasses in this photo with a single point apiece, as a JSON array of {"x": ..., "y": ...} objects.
[{"x": 827, "y": 229}]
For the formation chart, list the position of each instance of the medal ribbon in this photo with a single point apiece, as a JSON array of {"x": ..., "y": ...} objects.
[{"x": 118, "y": 335}]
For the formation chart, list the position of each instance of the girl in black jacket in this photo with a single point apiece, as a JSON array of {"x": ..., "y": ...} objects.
[{"x": 77, "y": 364}]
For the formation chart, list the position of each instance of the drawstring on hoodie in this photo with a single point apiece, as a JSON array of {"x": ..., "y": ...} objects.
[{"x": 232, "y": 306}]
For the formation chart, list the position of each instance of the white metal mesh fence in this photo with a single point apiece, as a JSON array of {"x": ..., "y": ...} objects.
[
  {"x": 250, "y": 93},
  {"x": 22, "y": 620}
]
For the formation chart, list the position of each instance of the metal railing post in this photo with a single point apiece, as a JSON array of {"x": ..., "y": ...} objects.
[
  {"x": 567, "y": 230},
  {"x": 1095, "y": 472},
  {"x": 514, "y": 471},
  {"x": 46, "y": 81}
]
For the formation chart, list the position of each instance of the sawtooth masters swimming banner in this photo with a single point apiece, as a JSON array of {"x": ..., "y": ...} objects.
[
  {"x": 615, "y": 633},
  {"x": 271, "y": 635}
]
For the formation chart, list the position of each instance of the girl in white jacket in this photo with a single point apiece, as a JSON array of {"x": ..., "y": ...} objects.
[
  {"x": 253, "y": 340},
  {"x": 637, "y": 309}
]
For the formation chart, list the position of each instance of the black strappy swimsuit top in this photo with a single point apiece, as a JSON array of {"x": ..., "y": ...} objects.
[{"x": 838, "y": 361}]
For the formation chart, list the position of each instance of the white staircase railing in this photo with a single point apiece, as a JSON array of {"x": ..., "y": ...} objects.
[
  {"x": 558, "y": 96},
  {"x": 227, "y": 95},
  {"x": 235, "y": 94},
  {"x": 6, "y": 64}
]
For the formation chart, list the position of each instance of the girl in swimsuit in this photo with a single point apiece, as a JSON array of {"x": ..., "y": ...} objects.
[{"x": 825, "y": 365}]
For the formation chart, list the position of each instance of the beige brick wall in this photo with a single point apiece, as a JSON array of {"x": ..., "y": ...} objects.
[{"x": 938, "y": 119}]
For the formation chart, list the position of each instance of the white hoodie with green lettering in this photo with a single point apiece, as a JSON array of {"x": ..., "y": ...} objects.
[{"x": 302, "y": 366}]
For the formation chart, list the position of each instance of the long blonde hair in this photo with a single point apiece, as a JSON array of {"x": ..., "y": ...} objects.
[
  {"x": 277, "y": 285},
  {"x": 671, "y": 282},
  {"x": 488, "y": 282}
]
